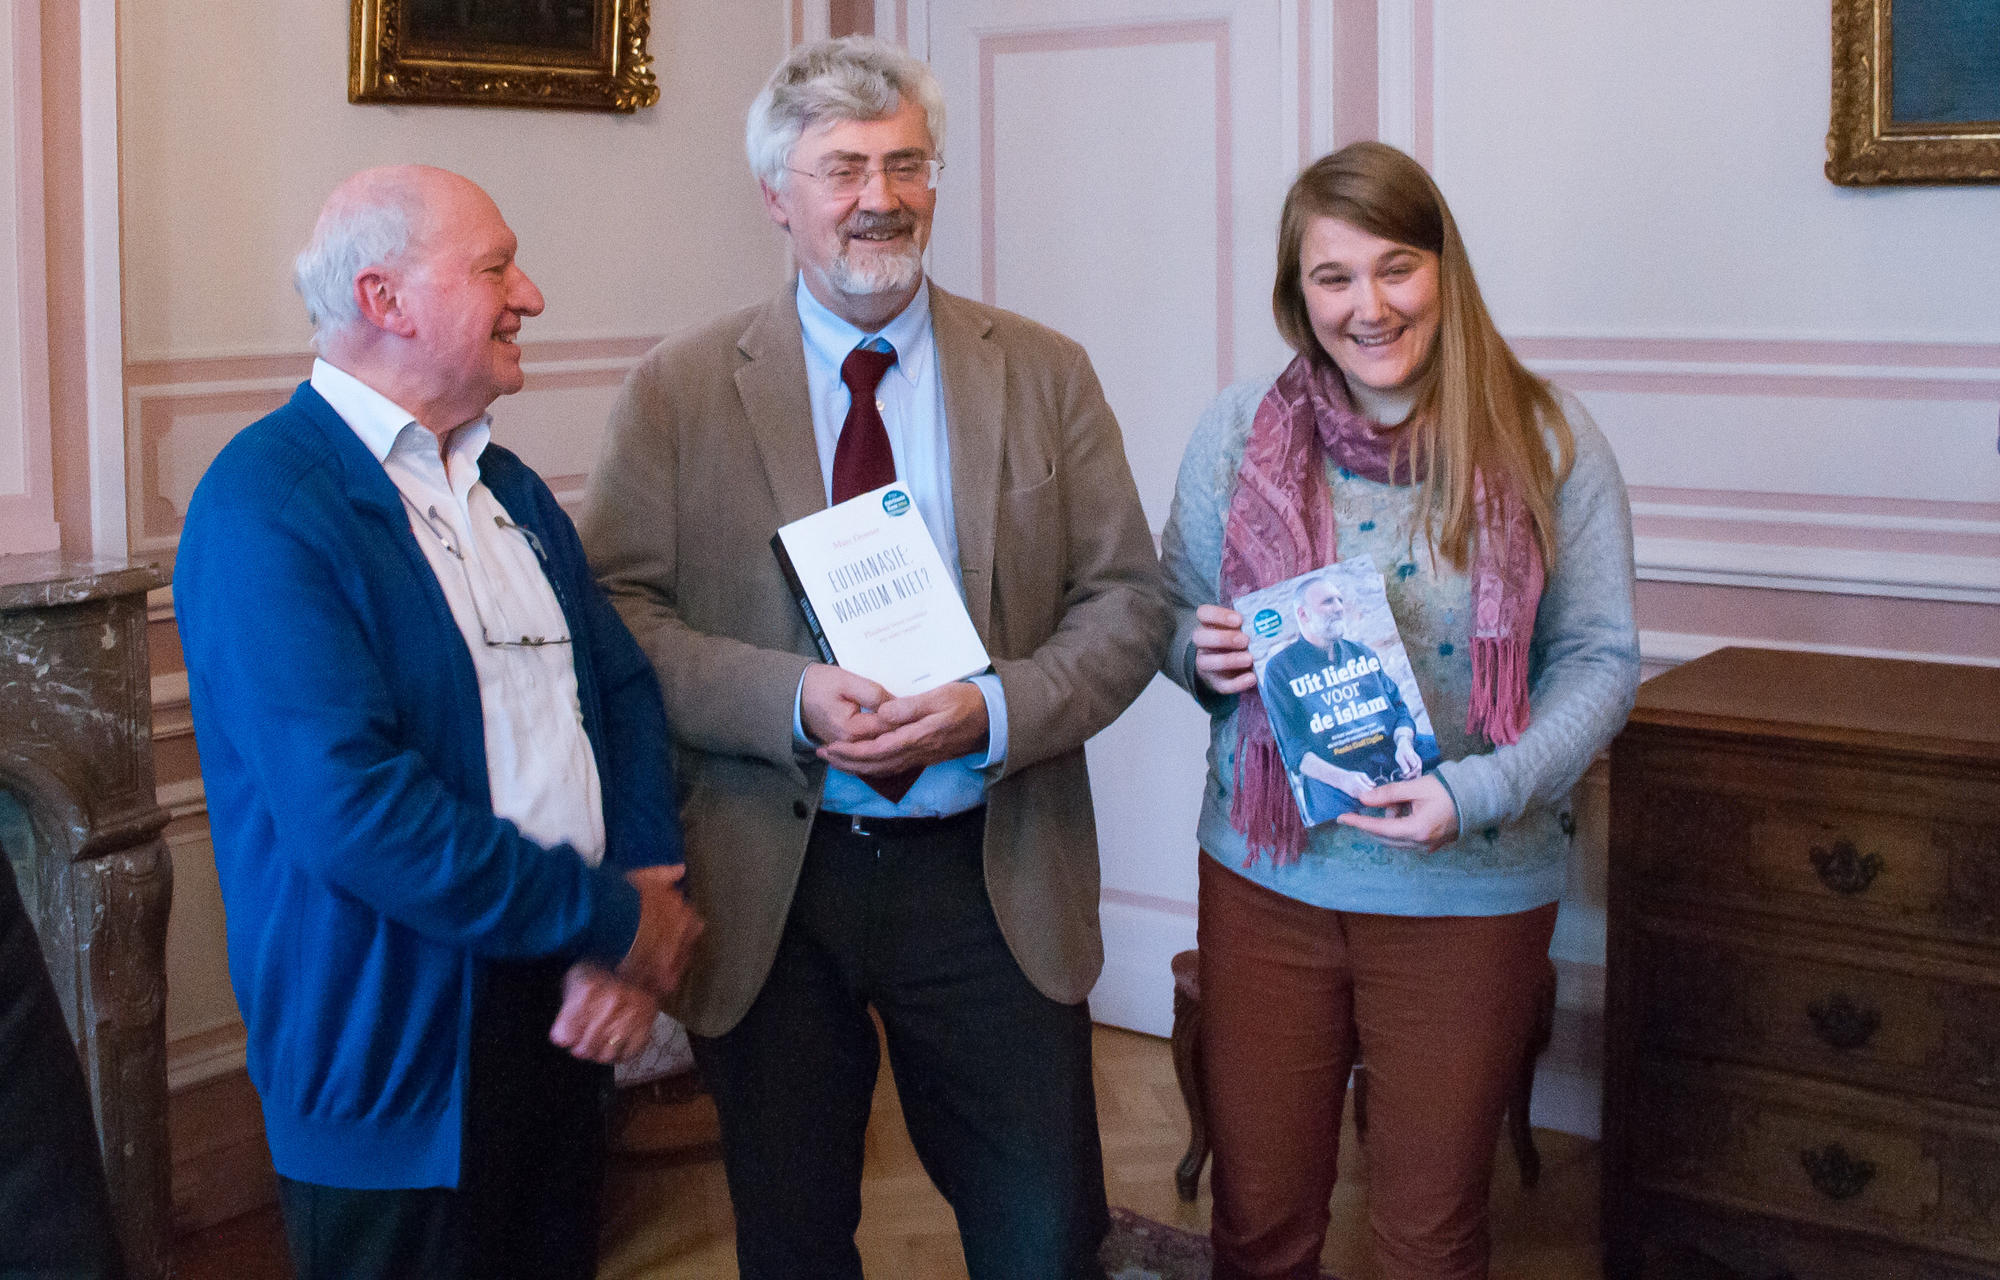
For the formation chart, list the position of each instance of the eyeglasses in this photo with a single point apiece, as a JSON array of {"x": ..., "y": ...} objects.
[
  {"x": 442, "y": 532},
  {"x": 847, "y": 178}
]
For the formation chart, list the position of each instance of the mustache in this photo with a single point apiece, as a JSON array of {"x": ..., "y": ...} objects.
[{"x": 865, "y": 223}]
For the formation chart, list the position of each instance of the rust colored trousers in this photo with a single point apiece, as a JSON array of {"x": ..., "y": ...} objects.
[{"x": 1440, "y": 1007}]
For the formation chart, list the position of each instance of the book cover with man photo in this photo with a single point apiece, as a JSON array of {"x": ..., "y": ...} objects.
[{"x": 1337, "y": 685}]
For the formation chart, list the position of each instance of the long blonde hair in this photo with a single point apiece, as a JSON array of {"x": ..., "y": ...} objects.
[{"x": 1479, "y": 411}]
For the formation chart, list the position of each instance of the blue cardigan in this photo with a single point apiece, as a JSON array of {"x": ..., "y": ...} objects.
[{"x": 364, "y": 874}]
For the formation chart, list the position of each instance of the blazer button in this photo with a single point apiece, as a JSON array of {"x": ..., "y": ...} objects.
[{"x": 799, "y": 809}]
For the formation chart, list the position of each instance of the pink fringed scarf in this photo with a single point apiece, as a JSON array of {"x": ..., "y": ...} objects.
[{"x": 1281, "y": 524}]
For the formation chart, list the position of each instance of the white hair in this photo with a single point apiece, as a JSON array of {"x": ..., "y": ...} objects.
[
  {"x": 373, "y": 226},
  {"x": 852, "y": 78}
]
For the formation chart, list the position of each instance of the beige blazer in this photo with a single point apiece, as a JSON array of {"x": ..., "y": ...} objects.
[{"x": 710, "y": 449}]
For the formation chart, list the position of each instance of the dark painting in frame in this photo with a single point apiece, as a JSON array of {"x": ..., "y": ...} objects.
[
  {"x": 588, "y": 54},
  {"x": 1916, "y": 92}
]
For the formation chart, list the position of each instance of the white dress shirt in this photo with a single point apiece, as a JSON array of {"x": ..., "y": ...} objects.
[
  {"x": 911, "y": 400},
  {"x": 539, "y": 765}
]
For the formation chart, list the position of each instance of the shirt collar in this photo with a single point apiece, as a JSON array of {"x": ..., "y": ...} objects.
[
  {"x": 830, "y": 338},
  {"x": 382, "y": 424}
]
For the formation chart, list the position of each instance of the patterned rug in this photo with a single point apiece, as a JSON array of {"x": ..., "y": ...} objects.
[{"x": 1141, "y": 1249}]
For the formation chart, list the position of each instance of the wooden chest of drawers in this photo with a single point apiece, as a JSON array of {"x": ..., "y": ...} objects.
[{"x": 1802, "y": 1059}]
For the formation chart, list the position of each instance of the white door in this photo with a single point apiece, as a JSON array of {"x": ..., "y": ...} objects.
[{"x": 1114, "y": 169}]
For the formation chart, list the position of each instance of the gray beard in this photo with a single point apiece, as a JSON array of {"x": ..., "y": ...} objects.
[{"x": 882, "y": 275}]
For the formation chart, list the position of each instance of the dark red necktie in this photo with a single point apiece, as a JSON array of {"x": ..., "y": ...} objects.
[{"x": 862, "y": 460}]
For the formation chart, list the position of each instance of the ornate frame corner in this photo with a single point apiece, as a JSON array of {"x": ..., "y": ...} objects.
[
  {"x": 386, "y": 65},
  {"x": 1864, "y": 147}
]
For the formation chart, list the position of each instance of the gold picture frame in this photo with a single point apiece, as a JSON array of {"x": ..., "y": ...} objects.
[
  {"x": 583, "y": 54},
  {"x": 1867, "y": 143}
]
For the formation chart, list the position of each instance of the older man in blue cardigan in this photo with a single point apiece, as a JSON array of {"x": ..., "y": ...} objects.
[{"x": 437, "y": 770}]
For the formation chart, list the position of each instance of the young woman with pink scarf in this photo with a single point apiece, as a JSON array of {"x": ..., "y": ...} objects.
[{"x": 1415, "y": 931}]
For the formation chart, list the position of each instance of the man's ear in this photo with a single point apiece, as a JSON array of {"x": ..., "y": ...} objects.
[
  {"x": 774, "y": 205},
  {"x": 376, "y": 296}
]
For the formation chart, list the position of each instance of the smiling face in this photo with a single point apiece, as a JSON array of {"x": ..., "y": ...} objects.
[
  {"x": 1373, "y": 302},
  {"x": 861, "y": 254},
  {"x": 465, "y": 298}
]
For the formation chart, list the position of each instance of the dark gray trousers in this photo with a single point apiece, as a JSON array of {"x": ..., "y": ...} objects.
[
  {"x": 532, "y": 1173},
  {"x": 993, "y": 1076}
]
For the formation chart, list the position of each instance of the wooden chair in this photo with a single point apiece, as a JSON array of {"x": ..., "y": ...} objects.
[{"x": 1187, "y": 1070}]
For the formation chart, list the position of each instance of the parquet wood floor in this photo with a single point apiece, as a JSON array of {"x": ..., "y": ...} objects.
[
  {"x": 668, "y": 1215},
  {"x": 907, "y": 1231}
]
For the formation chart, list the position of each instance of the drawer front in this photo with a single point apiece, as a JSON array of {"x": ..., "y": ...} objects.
[
  {"x": 1825, "y": 1012},
  {"x": 1817, "y": 1155},
  {"x": 1679, "y": 1240},
  {"x": 1903, "y": 853}
]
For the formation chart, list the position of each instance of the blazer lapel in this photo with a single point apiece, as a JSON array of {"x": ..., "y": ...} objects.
[
  {"x": 772, "y": 384},
  {"x": 975, "y": 381}
]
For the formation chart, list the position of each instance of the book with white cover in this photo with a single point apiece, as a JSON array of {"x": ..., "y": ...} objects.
[{"x": 876, "y": 594}]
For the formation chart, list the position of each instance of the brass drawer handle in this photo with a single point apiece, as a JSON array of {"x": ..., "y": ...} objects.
[
  {"x": 1835, "y": 1174},
  {"x": 1845, "y": 869},
  {"x": 1842, "y": 1023}
]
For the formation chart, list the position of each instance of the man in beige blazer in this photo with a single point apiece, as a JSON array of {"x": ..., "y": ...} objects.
[{"x": 963, "y": 910}]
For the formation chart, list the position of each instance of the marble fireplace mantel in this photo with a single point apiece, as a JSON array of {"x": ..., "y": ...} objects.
[{"x": 76, "y": 759}]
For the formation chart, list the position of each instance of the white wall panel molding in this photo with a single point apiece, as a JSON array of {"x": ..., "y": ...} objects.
[
  {"x": 103, "y": 300},
  {"x": 1661, "y": 650},
  {"x": 1935, "y": 550},
  {"x": 205, "y": 1055},
  {"x": 1786, "y": 367},
  {"x": 173, "y": 719},
  {"x": 1153, "y": 279},
  {"x": 185, "y": 798},
  {"x": 1975, "y": 522},
  {"x": 204, "y": 1027},
  {"x": 27, "y": 480},
  {"x": 1843, "y": 466},
  {"x": 177, "y": 429},
  {"x": 1829, "y": 570},
  {"x": 1750, "y": 348},
  {"x": 810, "y": 21},
  {"x": 1312, "y": 38},
  {"x": 1296, "y": 102},
  {"x": 1099, "y": 38},
  {"x": 892, "y": 22},
  {"x": 1154, "y": 902},
  {"x": 1406, "y": 66},
  {"x": 183, "y": 410},
  {"x": 209, "y": 363}
]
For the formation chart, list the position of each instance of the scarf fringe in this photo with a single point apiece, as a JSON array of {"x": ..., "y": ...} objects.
[
  {"x": 1499, "y": 707},
  {"x": 1260, "y": 803}
]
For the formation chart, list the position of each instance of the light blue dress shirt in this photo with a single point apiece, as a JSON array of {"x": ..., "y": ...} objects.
[{"x": 911, "y": 398}]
